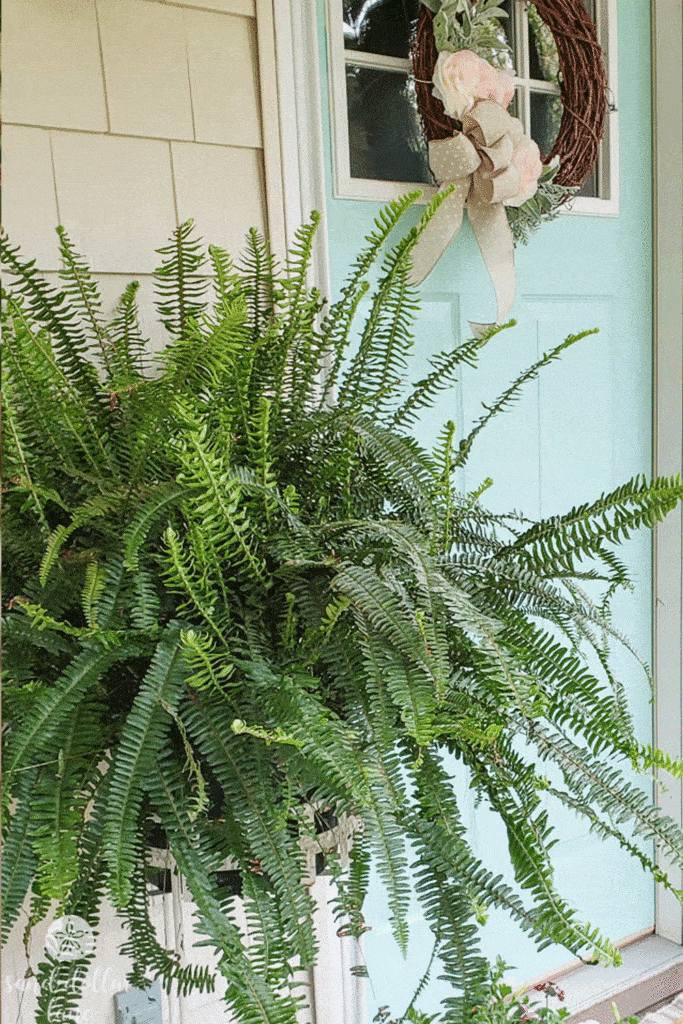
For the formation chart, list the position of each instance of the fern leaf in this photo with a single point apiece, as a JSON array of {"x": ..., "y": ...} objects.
[
  {"x": 423, "y": 393},
  {"x": 126, "y": 345},
  {"x": 249, "y": 995},
  {"x": 146, "y": 729},
  {"x": 54, "y": 705},
  {"x": 95, "y": 578},
  {"x": 18, "y": 858},
  {"x": 511, "y": 393},
  {"x": 550, "y": 546},
  {"x": 82, "y": 290},
  {"x": 244, "y": 774},
  {"x": 51, "y": 309},
  {"x": 180, "y": 286},
  {"x": 165, "y": 496}
]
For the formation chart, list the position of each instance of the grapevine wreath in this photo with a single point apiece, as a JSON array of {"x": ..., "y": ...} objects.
[{"x": 464, "y": 83}]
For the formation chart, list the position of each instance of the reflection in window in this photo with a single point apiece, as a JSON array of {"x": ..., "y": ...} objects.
[
  {"x": 546, "y": 117},
  {"x": 544, "y": 63},
  {"x": 380, "y": 26},
  {"x": 385, "y": 140},
  {"x": 503, "y": 57}
]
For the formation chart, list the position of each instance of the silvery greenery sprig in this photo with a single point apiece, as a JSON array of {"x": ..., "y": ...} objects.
[
  {"x": 460, "y": 25},
  {"x": 544, "y": 206}
]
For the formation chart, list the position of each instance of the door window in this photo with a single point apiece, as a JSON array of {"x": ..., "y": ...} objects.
[{"x": 379, "y": 149}]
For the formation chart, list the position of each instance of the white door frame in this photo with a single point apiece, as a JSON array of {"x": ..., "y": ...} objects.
[
  {"x": 667, "y": 113},
  {"x": 293, "y": 133}
]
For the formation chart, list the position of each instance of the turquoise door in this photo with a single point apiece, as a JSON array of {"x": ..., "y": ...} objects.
[{"x": 583, "y": 428}]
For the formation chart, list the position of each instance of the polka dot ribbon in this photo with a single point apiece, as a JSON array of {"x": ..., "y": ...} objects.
[{"x": 478, "y": 162}]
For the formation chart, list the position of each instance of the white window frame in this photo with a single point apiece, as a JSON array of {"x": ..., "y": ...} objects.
[{"x": 347, "y": 187}]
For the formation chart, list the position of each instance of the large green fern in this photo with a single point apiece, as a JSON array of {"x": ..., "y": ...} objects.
[{"x": 238, "y": 591}]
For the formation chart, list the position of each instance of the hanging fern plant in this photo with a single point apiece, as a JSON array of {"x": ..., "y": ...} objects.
[{"x": 237, "y": 590}]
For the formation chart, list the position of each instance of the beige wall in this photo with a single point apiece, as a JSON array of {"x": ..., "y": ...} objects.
[{"x": 123, "y": 118}]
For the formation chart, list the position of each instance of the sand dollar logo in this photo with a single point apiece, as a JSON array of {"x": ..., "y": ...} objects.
[{"x": 69, "y": 938}]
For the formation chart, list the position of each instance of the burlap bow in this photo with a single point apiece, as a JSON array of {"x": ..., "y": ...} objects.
[{"x": 478, "y": 161}]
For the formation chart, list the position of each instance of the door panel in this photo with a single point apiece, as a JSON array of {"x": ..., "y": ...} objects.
[{"x": 583, "y": 428}]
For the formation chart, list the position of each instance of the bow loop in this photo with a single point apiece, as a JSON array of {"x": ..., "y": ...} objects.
[{"x": 453, "y": 158}]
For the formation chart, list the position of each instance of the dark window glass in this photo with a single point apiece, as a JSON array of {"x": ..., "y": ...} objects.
[
  {"x": 385, "y": 139},
  {"x": 380, "y": 26},
  {"x": 159, "y": 881},
  {"x": 544, "y": 64},
  {"x": 507, "y": 31},
  {"x": 546, "y": 117},
  {"x": 590, "y": 185},
  {"x": 516, "y": 107}
]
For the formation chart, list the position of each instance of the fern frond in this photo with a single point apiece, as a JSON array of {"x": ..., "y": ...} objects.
[
  {"x": 83, "y": 292},
  {"x": 19, "y": 861},
  {"x": 146, "y": 730},
  {"x": 423, "y": 393},
  {"x": 261, "y": 288},
  {"x": 249, "y": 995},
  {"x": 50, "y": 308},
  {"x": 150, "y": 959},
  {"x": 336, "y": 325},
  {"x": 95, "y": 578},
  {"x": 60, "y": 984},
  {"x": 387, "y": 840},
  {"x": 605, "y": 787},
  {"x": 164, "y": 497},
  {"x": 511, "y": 393},
  {"x": 605, "y": 830},
  {"x": 54, "y": 705},
  {"x": 646, "y": 758},
  {"x": 180, "y": 286},
  {"x": 550, "y": 546},
  {"x": 60, "y": 798},
  {"x": 226, "y": 280},
  {"x": 16, "y": 455},
  {"x": 127, "y": 347},
  {"x": 69, "y": 420},
  {"x": 245, "y": 774}
]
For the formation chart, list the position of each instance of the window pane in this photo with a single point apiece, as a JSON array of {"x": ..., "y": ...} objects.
[
  {"x": 590, "y": 185},
  {"x": 385, "y": 138},
  {"x": 506, "y": 33},
  {"x": 508, "y": 24},
  {"x": 380, "y": 26},
  {"x": 544, "y": 64},
  {"x": 546, "y": 116}
]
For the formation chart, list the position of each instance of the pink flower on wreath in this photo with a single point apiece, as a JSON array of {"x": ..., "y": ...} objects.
[
  {"x": 462, "y": 78},
  {"x": 503, "y": 88},
  {"x": 527, "y": 160}
]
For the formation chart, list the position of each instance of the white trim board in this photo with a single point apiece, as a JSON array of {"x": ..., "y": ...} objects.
[
  {"x": 293, "y": 139},
  {"x": 652, "y": 970},
  {"x": 667, "y": 29}
]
